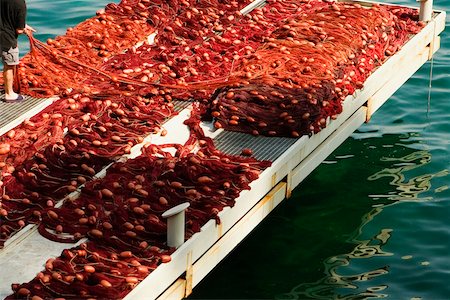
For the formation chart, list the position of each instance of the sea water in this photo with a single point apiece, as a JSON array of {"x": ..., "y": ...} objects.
[{"x": 372, "y": 221}]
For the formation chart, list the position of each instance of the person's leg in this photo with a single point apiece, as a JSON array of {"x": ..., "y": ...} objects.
[
  {"x": 8, "y": 78},
  {"x": 10, "y": 61}
]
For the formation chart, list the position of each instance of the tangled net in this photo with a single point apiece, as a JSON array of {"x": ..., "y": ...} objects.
[
  {"x": 315, "y": 52},
  {"x": 309, "y": 64},
  {"x": 122, "y": 216},
  {"x": 77, "y": 56},
  {"x": 103, "y": 131},
  {"x": 282, "y": 70}
]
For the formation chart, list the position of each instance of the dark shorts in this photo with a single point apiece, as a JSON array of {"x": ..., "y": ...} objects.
[{"x": 11, "y": 57}]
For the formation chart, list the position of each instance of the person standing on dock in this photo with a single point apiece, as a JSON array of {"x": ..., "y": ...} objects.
[{"x": 12, "y": 23}]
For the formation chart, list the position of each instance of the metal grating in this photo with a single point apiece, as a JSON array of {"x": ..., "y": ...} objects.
[
  {"x": 180, "y": 105},
  {"x": 9, "y": 112},
  {"x": 264, "y": 148}
]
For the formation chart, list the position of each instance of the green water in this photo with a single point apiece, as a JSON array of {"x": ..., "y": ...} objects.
[{"x": 372, "y": 221}]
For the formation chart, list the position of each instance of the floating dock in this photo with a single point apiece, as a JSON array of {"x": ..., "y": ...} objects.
[{"x": 25, "y": 254}]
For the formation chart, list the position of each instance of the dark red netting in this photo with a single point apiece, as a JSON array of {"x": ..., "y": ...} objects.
[
  {"x": 306, "y": 68},
  {"x": 122, "y": 216}
]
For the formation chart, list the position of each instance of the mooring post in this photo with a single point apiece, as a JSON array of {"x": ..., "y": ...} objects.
[
  {"x": 426, "y": 10},
  {"x": 175, "y": 224}
]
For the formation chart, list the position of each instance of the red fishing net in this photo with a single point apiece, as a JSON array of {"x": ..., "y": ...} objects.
[
  {"x": 282, "y": 70},
  {"x": 121, "y": 214}
]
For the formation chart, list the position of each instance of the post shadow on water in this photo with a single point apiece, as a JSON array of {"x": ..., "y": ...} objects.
[{"x": 325, "y": 241}]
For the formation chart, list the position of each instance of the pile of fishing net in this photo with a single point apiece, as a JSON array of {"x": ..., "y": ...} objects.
[
  {"x": 277, "y": 72},
  {"x": 74, "y": 61},
  {"x": 121, "y": 215},
  {"x": 298, "y": 79},
  {"x": 53, "y": 165}
]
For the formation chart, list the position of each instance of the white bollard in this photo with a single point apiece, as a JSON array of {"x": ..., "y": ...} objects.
[
  {"x": 175, "y": 224},
  {"x": 426, "y": 10}
]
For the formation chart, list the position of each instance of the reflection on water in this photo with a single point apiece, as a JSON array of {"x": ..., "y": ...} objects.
[
  {"x": 412, "y": 188},
  {"x": 339, "y": 282},
  {"x": 327, "y": 287}
]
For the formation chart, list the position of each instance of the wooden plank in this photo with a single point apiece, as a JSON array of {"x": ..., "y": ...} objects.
[
  {"x": 434, "y": 46},
  {"x": 175, "y": 292},
  {"x": 18, "y": 237},
  {"x": 230, "y": 240},
  {"x": 189, "y": 274},
  {"x": 407, "y": 68},
  {"x": 370, "y": 3},
  {"x": 439, "y": 26},
  {"x": 326, "y": 148},
  {"x": 252, "y": 6},
  {"x": 21, "y": 264},
  {"x": 236, "y": 234},
  {"x": 440, "y": 20}
]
